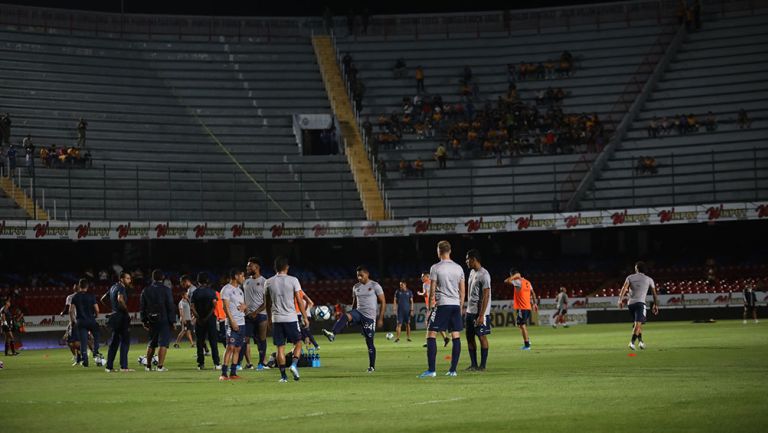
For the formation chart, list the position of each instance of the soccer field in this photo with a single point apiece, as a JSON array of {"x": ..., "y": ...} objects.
[{"x": 692, "y": 378}]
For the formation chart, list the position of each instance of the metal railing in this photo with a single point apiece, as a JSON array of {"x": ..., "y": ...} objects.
[{"x": 179, "y": 194}]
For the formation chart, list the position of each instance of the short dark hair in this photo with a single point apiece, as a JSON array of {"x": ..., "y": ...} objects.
[
  {"x": 255, "y": 261},
  {"x": 234, "y": 272},
  {"x": 362, "y": 268},
  {"x": 513, "y": 270},
  {"x": 158, "y": 275},
  {"x": 185, "y": 277},
  {"x": 124, "y": 273},
  {"x": 82, "y": 283},
  {"x": 474, "y": 254},
  {"x": 640, "y": 267},
  {"x": 281, "y": 263},
  {"x": 202, "y": 278}
]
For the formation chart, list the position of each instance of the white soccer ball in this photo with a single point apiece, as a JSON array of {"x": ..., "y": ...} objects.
[
  {"x": 2, "y": 365},
  {"x": 390, "y": 335},
  {"x": 322, "y": 313},
  {"x": 101, "y": 362},
  {"x": 143, "y": 360}
]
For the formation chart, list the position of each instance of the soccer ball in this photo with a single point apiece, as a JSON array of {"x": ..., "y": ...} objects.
[
  {"x": 143, "y": 360},
  {"x": 2, "y": 365},
  {"x": 390, "y": 335},
  {"x": 322, "y": 313},
  {"x": 100, "y": 361}
]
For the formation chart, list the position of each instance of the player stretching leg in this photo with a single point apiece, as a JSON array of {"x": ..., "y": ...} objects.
[
  {"x": 637, "y": 286},
  {"x": 365, "y": 295},
  {"x": 447, "y": 290}
]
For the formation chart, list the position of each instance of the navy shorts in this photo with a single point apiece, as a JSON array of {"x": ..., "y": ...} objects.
[
  {"x": 472, "y": 328},
  {"x": 403, "y": 317},
  {"x": 159, "y": 334},
  {"x": 283, "y": 332},
  {"x": 73, "y": 335},
  {"x": 637, "y": 310},
  {"x": 367, "y": 326},
  {"x": 446, "y": 318},
  {"x": 561, "y": 312},
  {"x": 523, "y": 317},
  {"x": 236, "y": 338}
]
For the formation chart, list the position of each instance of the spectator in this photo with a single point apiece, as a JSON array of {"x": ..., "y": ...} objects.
[
  {"x": 653, "y": 128},
  {"x": 743, "y": 119},
  {"x": 440, "y": 156},
  {"x": 511, "y": 74},
  {"x": 11, "y": 155},
  {"x": 693, "y": 123},
  {"x": 5, "y": 128},
  {"x": 357, "y": 92},
  {"x": 710, "y": 122},
  {"x": 419, "y": 79},
  {"x": 405, "y": 168},
  {"x": 664, "y": 126},
  {"x": 381, "y": 167},
  {"x": 44, "y": 157},
  {"x": 368, "y": 128},
  {"x": 647, "y": 165},
  {"x": 566, "y": 64},
  {"x": 682, "y": 125},
  {"x": 401, "y": 68},
  {"x": 29, "y": 159},
  {"x": 418, "y": 168},
  {"x": 27, "y": 141},
  {"x": 346, "y": 62},
  {"x": 82, "y": 125}
]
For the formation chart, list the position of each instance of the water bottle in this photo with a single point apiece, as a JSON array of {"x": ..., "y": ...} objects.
[{"x": 317, "y": 359}]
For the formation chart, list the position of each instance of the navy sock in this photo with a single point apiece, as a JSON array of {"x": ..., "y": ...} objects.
[
  {"x": 282, "y": 372},
  {"x": 262, "y": 345},
  {"x": 233, "y": 370},
  {"x": 455, "y": 353},
  {"x": 473, "y": 356},
  {"x": 371, "y": 352},
  {"x": 241, "y": 355},
  {"x": 634, "y": 338},
  {"x": 483, "y": 357},
  {"x": 431, "y": 353},
  {"x": 223, "y": 370},
  {"x": 527, "y": 343},
  {"x": 640, "y": 337},
  {"x": 340, "y": 324}
]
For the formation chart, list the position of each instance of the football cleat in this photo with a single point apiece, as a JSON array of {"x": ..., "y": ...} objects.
[
  {"x": 371, "y": 369},
  {"x": 451, "y": 374},
  {"x": 294, "y": 372},
  {"x": 632, "y": 345},
  {"x": 427, "y": 374},
  {"x": 642, "y": 345},
  {"x": 331, "y": 336}
]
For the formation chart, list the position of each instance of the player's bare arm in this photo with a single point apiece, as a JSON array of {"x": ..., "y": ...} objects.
[{"x": 623, "y": 292}]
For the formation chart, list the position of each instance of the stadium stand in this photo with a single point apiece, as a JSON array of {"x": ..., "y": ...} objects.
[
  {"x": 152, "y": 158},
  {"x": 719, "y": 69},
  {"x": 606, "y": 59}
]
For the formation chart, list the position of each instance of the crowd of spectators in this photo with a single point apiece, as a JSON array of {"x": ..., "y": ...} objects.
[
  {"x": 687, "y": 124},
  {"x": 50, "y": 155}
]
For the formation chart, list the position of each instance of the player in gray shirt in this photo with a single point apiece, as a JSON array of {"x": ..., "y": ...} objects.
[
  {"x": 281, "y": 295},
  {"x": 185, "y": 319},
  {"x": 367, "y": 296},
  {"x": 478, "y": 321},
  {"x": 637, "y": 286},
  {"x": 561, "y": 301},
  {"x": 255, "y": 314},
  {"x": 447, "y": 292}
]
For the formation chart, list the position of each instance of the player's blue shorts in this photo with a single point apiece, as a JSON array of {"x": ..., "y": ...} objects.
[
  {"x": 404, "y": 317},
  {"x": 236, "y": 338},
  {"x": 472, "y": 328},
  {"x": 367, "y": 326},
  {"x": 446, "y": 318},
  {"x": 523, "y": 317},
  {"x": 159, "y": 334},
  {"x": 637, "y": 310},
  {"x": 285, "y": 331}
]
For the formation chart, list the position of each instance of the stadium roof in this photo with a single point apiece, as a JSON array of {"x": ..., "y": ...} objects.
[{"x": 290, "y": 8}]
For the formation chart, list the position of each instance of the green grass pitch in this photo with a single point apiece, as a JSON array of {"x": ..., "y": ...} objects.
[{"x": 692, "y": 378}]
